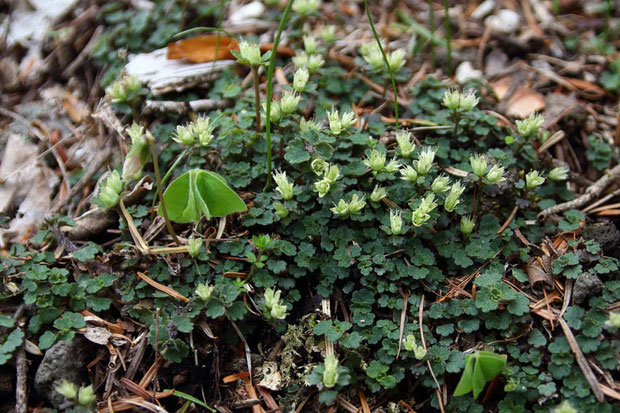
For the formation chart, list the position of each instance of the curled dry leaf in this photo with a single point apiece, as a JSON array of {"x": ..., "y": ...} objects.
[
  {"x": 97, "y": 335},
  {"x": 201, "y": 49},
  {"x": 536, "y": 271}
]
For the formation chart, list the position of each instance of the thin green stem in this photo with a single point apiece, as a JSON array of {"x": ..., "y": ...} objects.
[
  {"x": 257, "y": 97},
  {"x": 172, "y": 168},
  {"x": 270, "y": 69},
  {"x": 448, "y": 35},
  {"x": 374, "y": 32},
  {"x": 151, "y": 140},
  {"x": 431, "y": 24},
  {"x": 607, "y": 18}
]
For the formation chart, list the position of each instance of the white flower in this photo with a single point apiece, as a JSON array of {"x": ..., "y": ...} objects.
[
  {"x": 530, "y": 125},
  {"x": 559, "y": 174},
  {"x": 300, "y": 79},
  {"x": 459, "y": 102},
  {"x": 425, "y": 161},
  {"x": 283, "y": 185},
  {"x": 533, "y": 179}
]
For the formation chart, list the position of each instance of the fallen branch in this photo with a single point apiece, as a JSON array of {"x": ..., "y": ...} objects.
[
  {"x": 590, "y": 193},
  {"x": 170, "y": 106}
]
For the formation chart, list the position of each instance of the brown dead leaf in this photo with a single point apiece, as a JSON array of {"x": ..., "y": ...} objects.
[
  {"x": 500, "y": 86},
  {"x": 524, "y": 102},
  {"x": 536, "y": 272},
  {"x": 97, "y": 335},
  {"x": 201, "y": 49}
]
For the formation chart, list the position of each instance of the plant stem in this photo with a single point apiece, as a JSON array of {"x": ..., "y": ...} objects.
[
  {"x": 448, "y": 35},
  {"x": 431, "y": 24},
  {"x": 374, "y": 32},
  {"x": 257, "y": 97},
  {"x": 151, "y": 140},
  {"x": 172, "y": 168},
  {"x": 272, "y": 61}
]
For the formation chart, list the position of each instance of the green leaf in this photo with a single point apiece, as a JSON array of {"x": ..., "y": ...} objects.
[
  {"x": 464, "y": 385},
  {"x": 47, "y": 340},
  {"x": 296, "y": 152},
  {"x": 197, "y": 193},
  {"x": 6, "y": 321},
  {"x": 87, "y": 253},
  {"x": 480, "y": 368}
]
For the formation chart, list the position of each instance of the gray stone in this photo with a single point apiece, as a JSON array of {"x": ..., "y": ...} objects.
[
  {"x": 65, "y": 360},
  {"x": 586, "y": 286}
]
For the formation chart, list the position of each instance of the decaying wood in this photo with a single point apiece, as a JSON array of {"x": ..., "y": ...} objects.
[
  {"x": 170, "y": 106},
  {"x": 21, "y": 385}
]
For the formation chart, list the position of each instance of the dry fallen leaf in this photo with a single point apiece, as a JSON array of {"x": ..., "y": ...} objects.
[
  {"x": 201, "y": 49},
  {"x": 97, "y": 335},
  {"x": 524, "y": 102}
]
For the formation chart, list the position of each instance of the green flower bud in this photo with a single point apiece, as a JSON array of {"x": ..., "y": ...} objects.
[
  {"x": 356, "y": 204},
  {"x": 378, "y": 193},
  {"x": 409, "y": 174},
  {"x": 67, "y": 389},
  {"x": 452, "y": 200},
  {"x": 419, "y": 217},
  {"x": 614, "y": 320},
  {"x": 396, "y": 222},
  {"x": 202, "y": 130},
  {"x": 459, "y": 102},
  {"x": 478, "y": 165},
  {"x": 300, "y": 60},
  {"x": 337, "y": 125},
  {"x": 278, "y": 311},
  {"x": 318, "y": 166},
  {"x": 328, "y": 34},
  {"x": 341, "y": 208},
  {"x": 305, "y": 7},
  {"x": 330, "y": 373},
  {"x": 132, "y": 84},
  {"x": 289, "y": 102},
  {"x": 283, "y": 186},
  {"x": 322, "y": 187},
  {"x": 529, "y": 126},
  {"x": 565, "y": 407},
  {"x": 559, "y": 174},
  {"x": 496, "y": 174},
  {"x": 396, "y": 59},
  {"x": 281, "y": 210},
  {"x": 332, "y": 173},
  {"x": 250, "y": 54},
  {"x": 306, "y": 125},
  {"x": 440, "y": 184},
  {"x": 86, "y": 396},
  {"x": 392, "y": 166},
  {"x": 405, "y": 143},
  {"x": 428, "y": 203},
  {"x": 117, "y": 91},
  {"x": 184, "y": 136},
  {"x": 375, "y": 161},
  {"x": 309, "y": 44},
  {"x": 274, "y": 110},
  {"x": 110, "y": 192},
  {"x": 372, "y": 55},
  {"x": 300, "y": 79},
  {"x": 135, "y": 133},
  {"x": 203, "y": 291},
  {"x": 411, "y": 346},
  {"x": 533, "y": 179},
  {"x": 467, "y": 225},
  {"x": 272, "y": 303},
  {"x": 193, "y": 246},
  {"x": 425, "y": 161},
  {"x": 138, "y": 155}
]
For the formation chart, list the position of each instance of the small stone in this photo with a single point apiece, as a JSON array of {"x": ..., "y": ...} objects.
[
  {"x": 587, "y": 285},
  {"x": 505, "y": 21},
  {"x": 466, "y": 72},
  {"x": 606, "y": 234},
  {"x": 483, "y": 10}
]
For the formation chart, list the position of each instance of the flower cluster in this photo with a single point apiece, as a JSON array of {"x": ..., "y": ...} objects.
[
  {"x": 330, "y": 173},
  {"x": 345, "y": 209},
  {"x": 124, "y": 90},
  {"x": 110, "y": 192},
  {"x": 200, "y": 130},
  {"x": 274, "y": 307},
  {"x": 338, "y": 125},
  {"x": 422, "y": 213}
]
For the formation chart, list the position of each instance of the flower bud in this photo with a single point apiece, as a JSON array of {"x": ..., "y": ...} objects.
[
  {"x": 300, "y": 79},
  {"x": 410, "y": 345},
  {"x": 419, "y": 217},
  {"x": 315, "y": 62},
  {"x": 405, "y": 144},
  {"x": 67, "y": 389},
  {"x": 309, "y": 44},
  {"x": 322, "y": 187},
  {"x": 459, "y": 102},
  {"x": 278, "y": 311},
  {"x": 613, "y": 320},
  {"x": 117, "y": 92},
  {"x": 559, "y": 174},
  {"x": 328, "y": 34},
  {"x": 375, "y": 161},
  {"x": 86, "y": 396},
  {"x": 332, "y": 173},
  {"x": 372, "y": 55},
  {"x": 425, "y": 161},
  {"x": 396, "y": 222},
  {"x": 318, "y": 166},
  {"x": 337, "y": 125},
  {"x": 281, "y": 210},
  {"x": 440, "y": 184},
  {"x": 305, "y": 7},
  {"x": 135, "y": 133},
  {"x": 330, "y": 373},
  {"x": 564, "y": 407},
  {"x": 496, "y": 174},
  {"x": 378, "y": 193},
  {"x": 184, "y": 136},
  {"x": 283, "y": 186},
  {"x": 274, "y": 110},
  {"x": 467, "y": 225},
  {"x": 193, "y": 246},
  {"x": 132, "y": 83},
  {"x": 341, "y": 208},
  {"x": 356, "y": 204},
  {"x": 250, "y": 54},
  {"x": 533, "y": 179},
  {"x": 272, "y": 303},
  {"x": 396, "y": 59},
  {"x": 203, "y": 291},
  {"x": 428, "y": 203},
  {"x": 409, "y": 174},
  {"x": 529, "y": 126},
  {"x": 478, "y": 165},
  {"x": 110, "y": 192},
  {"x": 452, "y": 200},
  {"x": 202, "y": 130},
  {"x": 392, "y": 166},
  {"x": 289, "y": 102},
  {"x": 307, "y": 125}
]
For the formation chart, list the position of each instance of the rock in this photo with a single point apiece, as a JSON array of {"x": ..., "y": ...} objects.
[
  {"x": 466, "y": 72},
  {"x": 606, "y": 235},
  {"x": 65, "y": 360},
  {"x": 505, "y": 21},
  {"x": 587, "y": 285},
  {"x": 483, "y": 10}
]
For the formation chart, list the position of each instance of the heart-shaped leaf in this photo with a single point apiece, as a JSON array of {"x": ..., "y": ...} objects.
[{"x": 197, "y": 193}]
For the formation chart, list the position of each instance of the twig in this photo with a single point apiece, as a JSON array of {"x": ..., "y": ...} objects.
[
  {"x": 21, "y": 384},
  {"x": 590, "y": 193},
  {"x": 428, "y": 362},
  {"x": 248, "y": 352},
  {"x": 171, "y": 106}
]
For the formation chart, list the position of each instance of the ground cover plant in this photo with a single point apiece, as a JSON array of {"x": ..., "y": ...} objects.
[{"x": 342, "y": 239}]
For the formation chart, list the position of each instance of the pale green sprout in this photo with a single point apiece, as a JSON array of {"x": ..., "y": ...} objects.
[
  {"x": 378, "y": 193},
  {"x": 559, "y": 174},
  {"x": 478, "y": 165},
  {"x": 318, "y": 166},
  {"x": 289, "y": 102},
  {"x": 467, "y": 225},
  {"x": 202, "y": 129},
  {"x": 273, "y": 304},
  {"x": 336, "y": 124},
  {"x": 305, "y": 7},
  {"x": 330, "y": 374},
  {"x": 138, "y": 155},
  {"x": 411, "y": 346},
  {"x": 328, "y": 34},
  {"x": 440, "y": 184},
  {"x": 460, "y": 102},
  {"x": 529, "y": 126},
  {"x": 375, "y": 161},
  {"x": 193, "y": 246},
  {"x": 250, "y": 54},
  {"x": 283, "y": 185},
  {"x": 275, "y": 112},
  {"x": 67, "y": 389},
  {"x": 110, "y": 192},
  {"x": 452, "y": 200},
  {"x": 332, "y": 173},
  {"x": 425, "y": 161},
  {"x": 309, "y": 44},
  {"x": 86, "y": 396},
  {"x": 614, "y": 320},
  {"x": 406, "y": 145},
  {"x": 396, "y": 59},
  {"x": 408, "y": 174},
  {"x": 322, "y": 187},
  {"x": 184, "y": 135},
  {"x": 300, "y": 79},
  {"x": 565, "y": 407},
  {"x": 396, "y": 222},
  {"x": 204, "y": 291},
  {"x": 496, "y": 174},
  {"x": 281, "y": 210},
  {"x": 534, "y": 179},
  {"x": 392, "y": 166}
]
